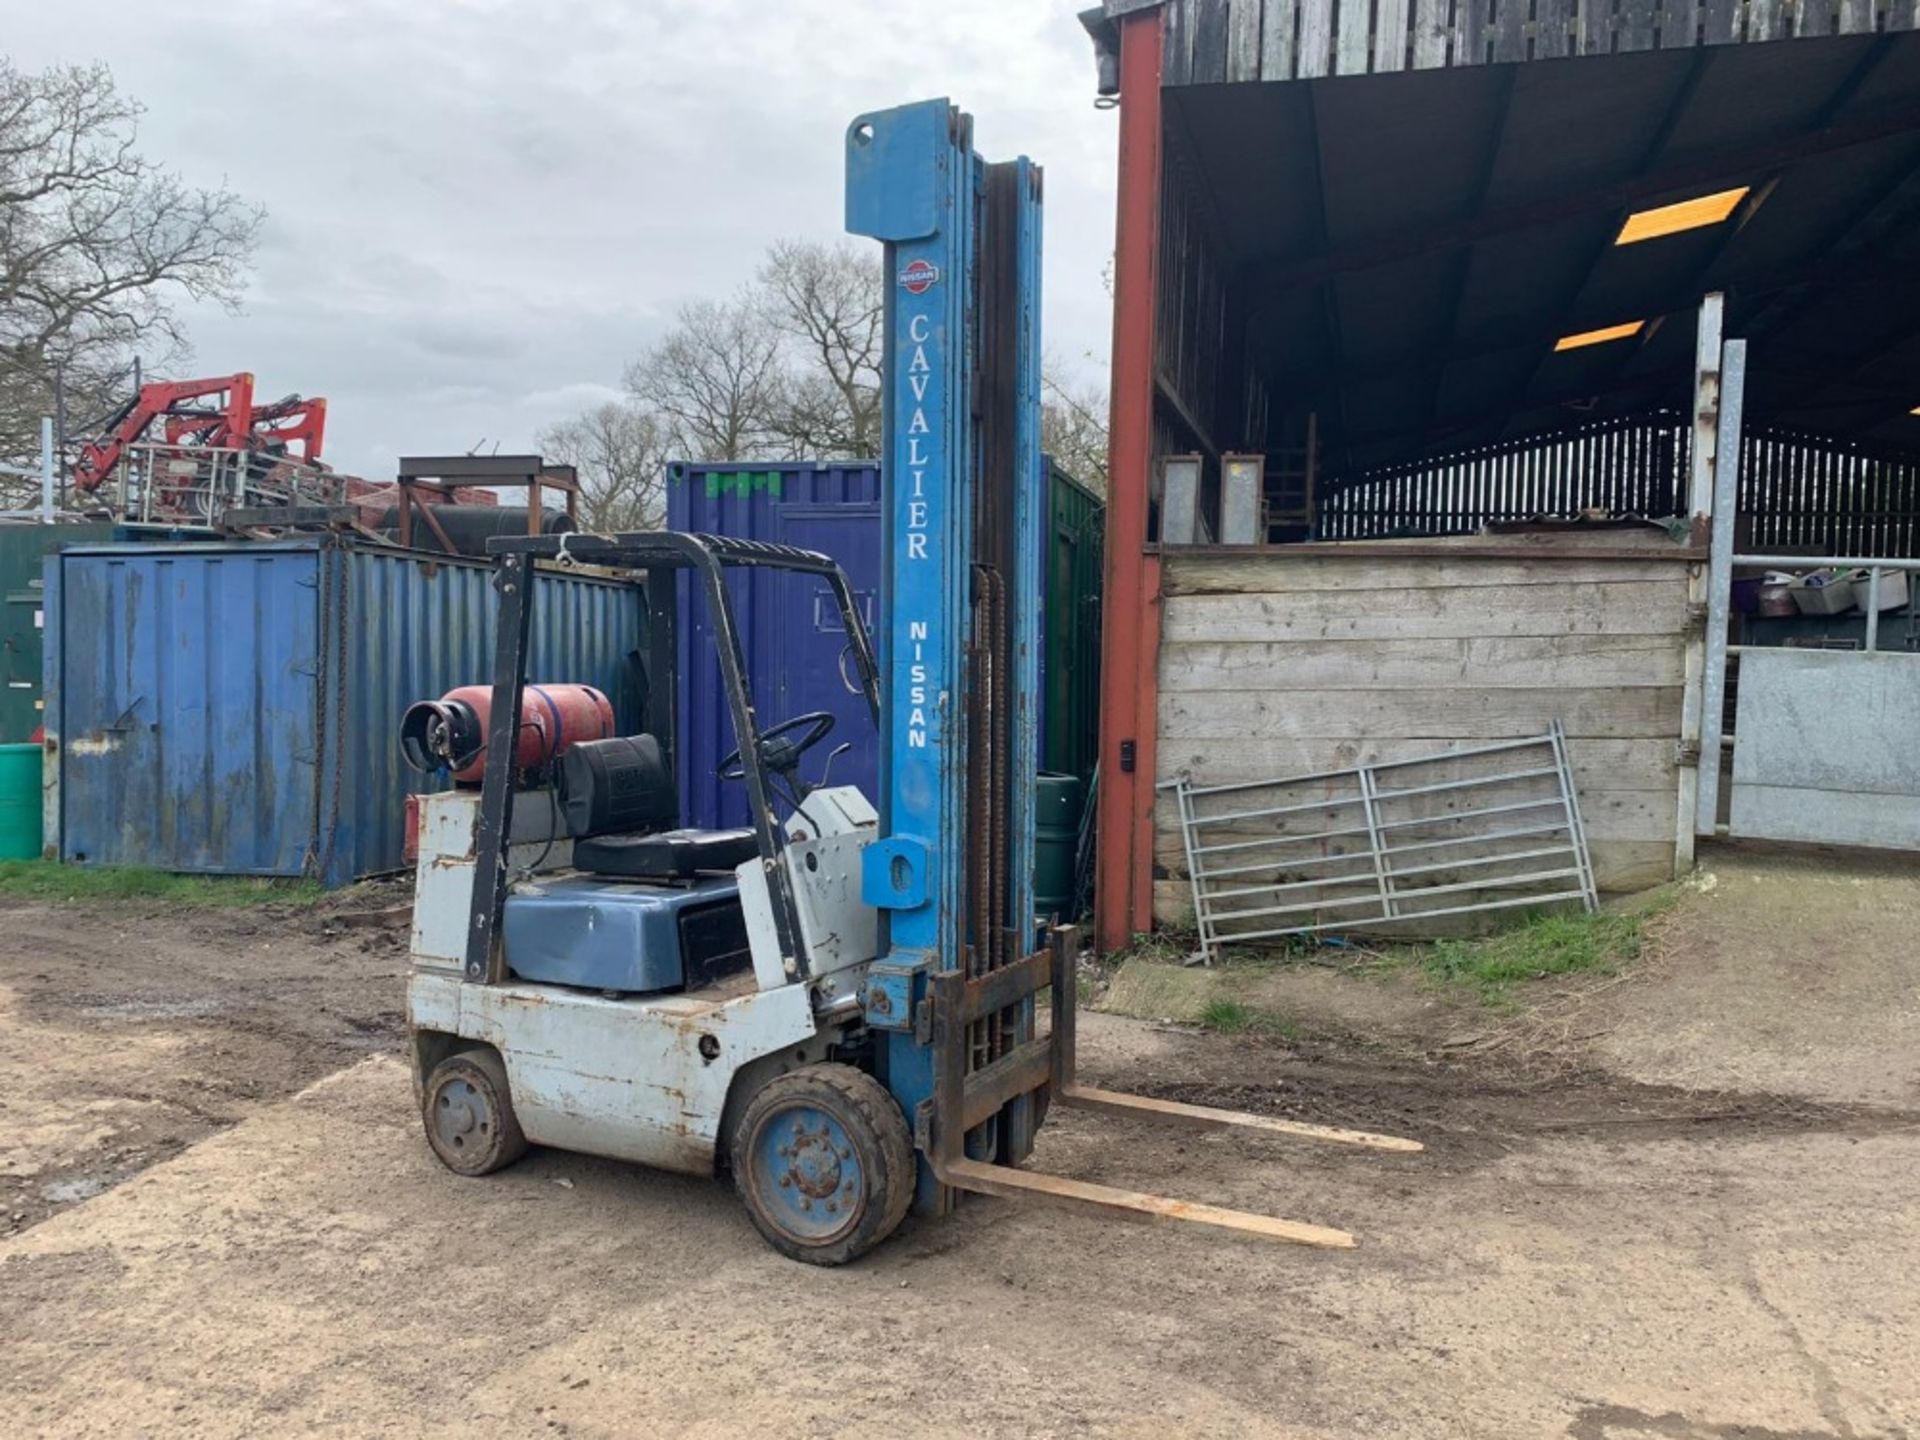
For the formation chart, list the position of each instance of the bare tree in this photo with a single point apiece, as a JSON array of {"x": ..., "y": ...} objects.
[
  {"x": 828, "y": 303},
  {"x": 793, "y": 370},
  {"x": 621, "y": 456},
  {"x": 715, "y": 381},
  {"x": 1073, "y": 429},
  {"x": 98, "y": 245}
]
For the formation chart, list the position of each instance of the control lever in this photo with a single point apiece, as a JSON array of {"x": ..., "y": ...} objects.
[{"x": 826, "y": 770}]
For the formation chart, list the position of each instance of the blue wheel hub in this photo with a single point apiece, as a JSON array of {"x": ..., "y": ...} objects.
[{"x": 807, "y": 1176}]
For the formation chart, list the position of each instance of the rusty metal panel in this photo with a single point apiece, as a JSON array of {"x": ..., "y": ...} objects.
[{"x": 1824, "y": 748}]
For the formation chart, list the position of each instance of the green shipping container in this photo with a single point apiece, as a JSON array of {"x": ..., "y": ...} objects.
[
  {"x": 1070, "y": 677},
  {"x": 23, "y": 548}
]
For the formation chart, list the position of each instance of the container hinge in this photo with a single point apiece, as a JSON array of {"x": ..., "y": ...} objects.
[
  {"x": 1697, "y": 618},
  {"x": 1687, "y": 752},
  {"x": 923, "y": 1022}
]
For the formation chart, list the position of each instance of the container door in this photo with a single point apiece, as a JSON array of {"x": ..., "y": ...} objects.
[
  {"x": 788, "y": 626},
  {"x": 809, "y": 638},
  {"x": 187, "y": 702}
]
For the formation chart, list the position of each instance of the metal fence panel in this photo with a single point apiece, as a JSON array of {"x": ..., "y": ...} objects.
[{"x": 1490, "y": 827}]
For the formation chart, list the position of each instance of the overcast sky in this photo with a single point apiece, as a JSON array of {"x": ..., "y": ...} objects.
[{"x": 479, "y": 210}]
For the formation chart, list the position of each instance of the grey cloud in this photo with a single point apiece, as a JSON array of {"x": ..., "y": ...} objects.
[{"x": 479, "y": 212}]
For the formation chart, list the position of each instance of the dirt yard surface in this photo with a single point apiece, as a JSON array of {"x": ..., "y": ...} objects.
[{"x": 229, "y": 1225}]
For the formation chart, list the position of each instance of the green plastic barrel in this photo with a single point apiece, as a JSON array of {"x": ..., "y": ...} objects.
[
  {"x": 1056, "y": 839},
  {"x": 19, "y": 802}
]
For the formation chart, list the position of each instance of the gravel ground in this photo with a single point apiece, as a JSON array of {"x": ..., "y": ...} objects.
[{"x": 224, "y": 1222}]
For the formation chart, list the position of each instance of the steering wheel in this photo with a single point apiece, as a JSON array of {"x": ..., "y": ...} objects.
[{"x": 777, "y": 752}]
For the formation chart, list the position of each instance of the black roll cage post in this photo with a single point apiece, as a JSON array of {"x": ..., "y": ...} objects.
[{"x": 656, "y": 554}]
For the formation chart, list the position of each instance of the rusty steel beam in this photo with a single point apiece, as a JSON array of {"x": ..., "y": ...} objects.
[{"x": 1130, "y": 638}]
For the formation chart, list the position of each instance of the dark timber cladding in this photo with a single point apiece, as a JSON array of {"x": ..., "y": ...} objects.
[
  {"x": 1212, "y": 41},
  {"x": 1374, "y": 222}
]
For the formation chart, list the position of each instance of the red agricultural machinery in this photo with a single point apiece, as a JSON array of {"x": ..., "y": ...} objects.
[{"x": 188, "y": 451}]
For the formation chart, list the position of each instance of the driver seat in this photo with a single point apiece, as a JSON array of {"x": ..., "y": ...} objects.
[{"x": 619, "y": 797}]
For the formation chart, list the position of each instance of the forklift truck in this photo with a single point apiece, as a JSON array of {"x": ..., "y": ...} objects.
[{"x": 839, "y": 1003}]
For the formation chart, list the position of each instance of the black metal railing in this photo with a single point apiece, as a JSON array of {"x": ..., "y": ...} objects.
[{"x": 1798, "y": 491}]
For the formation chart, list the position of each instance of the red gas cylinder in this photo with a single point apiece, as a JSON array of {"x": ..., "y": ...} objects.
[{"x": 451, "y": 733}]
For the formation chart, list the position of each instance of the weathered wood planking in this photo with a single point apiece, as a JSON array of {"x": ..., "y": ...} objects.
[
  {"x": 1210, "y": 36},
  {"x": 1353, "y": 35},
  {"x": 1390, "y": 34},
  {"x": 1461, "y": 613},
  {"x": 1281, "y": 572},
  {"x": 1314, "y": 52},
  {"x": 1491, "y": 662},
  {"x": 1439, "y": 715},
  {"x": 1277, "y": 21},
  {"x": 1243, "y": 40},
  {"x": 1214, "y": 40},
  {"x": 1278, "y": 664},
  {"x": 1432, "y": 34}
]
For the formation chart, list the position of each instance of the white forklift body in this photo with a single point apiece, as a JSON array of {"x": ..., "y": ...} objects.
[{"x": 645, "y": 1077}]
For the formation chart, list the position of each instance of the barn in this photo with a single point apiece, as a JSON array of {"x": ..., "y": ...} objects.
[{"x": 1475, "y": 366}]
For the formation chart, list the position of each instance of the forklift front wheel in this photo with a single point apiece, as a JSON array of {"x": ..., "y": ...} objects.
[
  {"x": 469, "y": 1116},
  {"x": 824, "y": 1163}
]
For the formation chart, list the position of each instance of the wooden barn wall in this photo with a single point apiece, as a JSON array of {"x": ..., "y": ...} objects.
[
  {"x": 1210, "y": 41},
  {"x": 1297, "y": 662}
]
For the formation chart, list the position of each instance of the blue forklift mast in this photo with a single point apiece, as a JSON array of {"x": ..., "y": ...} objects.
[{"x": 963, "y": 959}]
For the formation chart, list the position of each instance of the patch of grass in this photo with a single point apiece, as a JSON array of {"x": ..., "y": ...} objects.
[
  {"x": 1235, "y": 1017},
  {"x": 1539, "y": 947},
  {"x": 47, "y": 880},
  {"x": 1170, "y": 946}
]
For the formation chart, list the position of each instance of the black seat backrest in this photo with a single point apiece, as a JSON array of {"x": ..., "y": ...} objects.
[{"x": 622, "y": 785}]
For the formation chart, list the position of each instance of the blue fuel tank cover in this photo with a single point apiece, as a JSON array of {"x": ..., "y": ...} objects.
[{"x": 604, "y": 934}]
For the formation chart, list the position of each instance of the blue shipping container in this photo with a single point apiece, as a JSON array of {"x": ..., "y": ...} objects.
[
  {"x": 790, "y": 629},
  {"x": 789, "y": 626},
  {"x": 233, "y": 708}
]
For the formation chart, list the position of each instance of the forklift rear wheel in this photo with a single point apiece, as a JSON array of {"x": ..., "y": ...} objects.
[
  {"x": 469, "y": 1114},
  {"x": 824, "y": 1163}
]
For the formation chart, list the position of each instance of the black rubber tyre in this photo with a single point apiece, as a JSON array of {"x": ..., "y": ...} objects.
[
  {"x": 824, "y": 1164},
  {"x": 468, "y": 1113}
]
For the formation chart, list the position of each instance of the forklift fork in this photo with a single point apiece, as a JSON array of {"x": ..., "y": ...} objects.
[{"x": 963, "y": 1101}]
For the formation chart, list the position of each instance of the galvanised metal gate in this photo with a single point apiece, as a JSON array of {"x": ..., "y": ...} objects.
[
  {"x": 1825, "y": 743},
  {"x": 1487, "y": 827}
]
